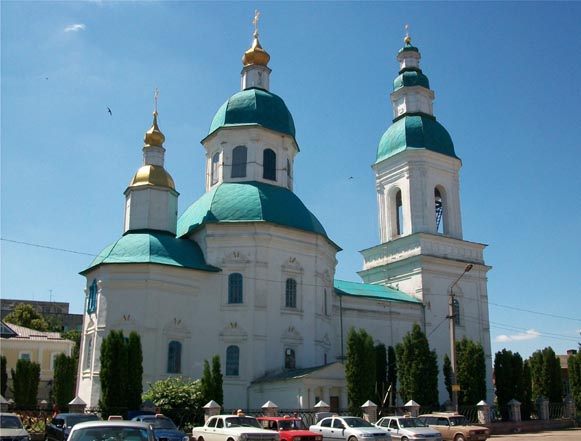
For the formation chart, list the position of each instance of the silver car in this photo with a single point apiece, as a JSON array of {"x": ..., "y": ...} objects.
[
  {"x": 406, "y": 428},
  {"x": 114, "y": 430},
  {"x": 349, "y": 428},
  {"x": 11, "y": 428}
]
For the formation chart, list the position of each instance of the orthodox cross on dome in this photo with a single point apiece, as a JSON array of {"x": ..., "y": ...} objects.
[
  {"x": 255, "y": 21},
  {"x": 155, "y": 95},
  {"x": 407, "y": 38}
]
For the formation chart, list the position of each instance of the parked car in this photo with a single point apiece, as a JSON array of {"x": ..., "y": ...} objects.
[
  {"x": 289, "y": 428},
  {"x": 349, "y": 428},
  {"x": 11, "y": 428},
  {"x": 60, "y": 426},
  {"x": 406, "y": 428},
  {"x": 233, "y": 428},
  {"x": 455, "y": 427},
  {"x": 163, "y": 427},
  {"x": 112, "y": 430}
]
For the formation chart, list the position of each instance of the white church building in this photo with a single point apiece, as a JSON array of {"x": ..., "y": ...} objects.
[{"x": 247, "y": 271}]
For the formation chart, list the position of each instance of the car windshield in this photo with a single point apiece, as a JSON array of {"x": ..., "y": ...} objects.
[
  {"x": 109, "y": 433},
  {"x": 356, "y": 422},
  {"x": 10, "y": 422},
  {"x": 160, "y": 423},
  {"x": 458, "y": 421},
  {"x": 291, "y": 425},
  {"x": 411, "y": 422},
  {"x": 237, "y": 421},
  {"x": 76, "y": 419}
]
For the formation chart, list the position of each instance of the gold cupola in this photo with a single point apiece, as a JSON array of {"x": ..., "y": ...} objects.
[
  {"x": 154, "y": 137},
  {"x": 256, "y": 54}
]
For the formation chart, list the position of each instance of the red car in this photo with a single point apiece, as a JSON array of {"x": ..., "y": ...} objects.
[{"x": 290, "y": 429}]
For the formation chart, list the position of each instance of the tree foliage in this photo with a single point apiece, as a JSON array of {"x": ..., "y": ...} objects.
[
  {"x": 25, "y": 315},
  {"x": 508, "y": 377},
  {"x": 175, "y": 393},
  {"x": 359, "y": 369},
  {"x": 381, "y": 384},
  {"x": 113, "y": 373},
  {"x": 392, "y": 372},
  {"x": 25, "y": 381},
  {"x": 574, "y": 368},
  {"x": 417, "y": 368},
  {"x": 447, "y": 371},
  {"x": 527, "y": 397},
  {"x": 546, "y": 375},
  {"x": 217, "y": 380},
  {"x": 471, "y": 372},
  {"x": 64, "y": 381},
  {"x": 73, "y": 335},
  {"x": 3, "y": 376},
  {"x": 134, "y": 371}
]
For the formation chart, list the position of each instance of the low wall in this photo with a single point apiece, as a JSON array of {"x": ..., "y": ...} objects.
[{"x": 503, "y": 428}]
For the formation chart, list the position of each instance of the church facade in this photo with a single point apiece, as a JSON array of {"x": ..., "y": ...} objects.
[{"x": 247, "y": 271}]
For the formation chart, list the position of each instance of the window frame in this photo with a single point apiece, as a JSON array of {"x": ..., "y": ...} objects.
[
  {"x": 232, "y": 361},
  {"x": 235, "y": 288},
  {"x": 174, "y": 357},
  {"x": 269, "y": 165},
  {"x": 238, "y": 168}
]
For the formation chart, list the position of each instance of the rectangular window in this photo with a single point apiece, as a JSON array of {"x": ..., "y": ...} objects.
[{"x": 25, "y": 356}]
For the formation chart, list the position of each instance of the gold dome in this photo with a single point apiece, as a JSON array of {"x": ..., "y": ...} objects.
[
  {"x": 255, "y": 55},
  {"x": 152, "y": 175},
  {"x": 154, "y": 136}
]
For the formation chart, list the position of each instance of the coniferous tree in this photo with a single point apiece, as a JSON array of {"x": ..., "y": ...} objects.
[
  {"x": 113, "y": 373},
  {"x": 217, "y": 380},
  {"x": 471, "y": 372},
  {"x": 503, "y": 376},
  {"x": 206, "y": 384},
  {"x": 574, "y": 368},
  {"x": 527, "y": 397},
  {"x": 392, "y": 373},
  {"x": 25, "y": 384},
  {"x": 3, "y": 376},
  {"x": 64, "y": 380},
  {"x": 134, "y": 371},
  {"x": 417, "y": 369},
  {"x": 546, "y": 375},
  {"x": 380, "y": 372},
  {"x": 447, "y": 371},
  {"x": 359, "y": 369}
]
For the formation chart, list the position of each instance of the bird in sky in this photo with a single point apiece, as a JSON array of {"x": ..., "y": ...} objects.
[
  {"x": 350, "y": 177},
  {"x": 109, "y": 110}
]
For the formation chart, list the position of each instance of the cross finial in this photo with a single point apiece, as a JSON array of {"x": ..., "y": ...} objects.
[
  {"x": 255, "y": 21},
  {"x": 407, "y": 38},
  {"x": 155, "y": 99}
]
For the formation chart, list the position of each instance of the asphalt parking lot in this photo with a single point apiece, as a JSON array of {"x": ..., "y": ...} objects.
[{"x": 565, "y": 434}]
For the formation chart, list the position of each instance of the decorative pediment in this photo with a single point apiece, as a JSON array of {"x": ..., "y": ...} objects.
[
  {"x": 292, "y": 335},
  {"x": 232, "y": 331},
  {"x": 324, "y": 343},
  {"x": 235, "y": 258},
  {"x": 176, "y": 327},
  {"x": 292, "y": 265}
]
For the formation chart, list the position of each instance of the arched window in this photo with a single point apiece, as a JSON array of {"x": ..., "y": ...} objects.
[
  {"x": 439, "y": 205},
  {"x": 92, "y": 300},
  {"x": 235, "y": 290},
  {"x": 269, "y": 165},
  {"x": 215, "y": 166},
  {"x": 89, "y": 353},
  {"x": 232, "y": 360},
  {"x": 174, "y": 357},
  {"x": 457, "y": 320},
  {"x": 290, "y": 298},
  {"x": 289, "y": 358},
  {"x": 289, "y": 173},
  {"x": 399, "y": 213},
  {"x": 239, "y": 158}
]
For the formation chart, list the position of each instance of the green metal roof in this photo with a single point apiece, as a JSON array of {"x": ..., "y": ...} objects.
[
  {"x": 148, "y": 246},
  {"x": 415, "y": 132},
  {"x": 408, "y": 47},
  {"x": 411, "y": 78},
  {"x": 254, "y": 107},
  {"x": 249, "y": 202},
  {"x": 378, "y": 292}
]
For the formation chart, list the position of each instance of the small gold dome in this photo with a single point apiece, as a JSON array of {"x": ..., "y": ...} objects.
[
  {"x": 154, "y": 136},
  {"x": 255, "y": 55},
  {"x": 152, "y": 175},
  {"x": 407, "y": 39}
]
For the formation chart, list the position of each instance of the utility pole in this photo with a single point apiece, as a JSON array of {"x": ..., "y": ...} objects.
[{"x": 451, "y": 316}]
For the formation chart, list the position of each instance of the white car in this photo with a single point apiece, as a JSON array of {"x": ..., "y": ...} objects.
[
  {"x": 11, "y": 428},
  {"x": 349, "y": 428},
  {"x": 406, "y": 428},
  {"x": 233, "y": 428},
  {"x": 112, "y": 430}
]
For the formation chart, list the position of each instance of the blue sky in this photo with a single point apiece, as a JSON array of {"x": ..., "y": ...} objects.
[{"x": 506, "y": 79}]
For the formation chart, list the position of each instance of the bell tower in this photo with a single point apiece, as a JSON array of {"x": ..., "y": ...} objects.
[{"x": 422, "y": 251}]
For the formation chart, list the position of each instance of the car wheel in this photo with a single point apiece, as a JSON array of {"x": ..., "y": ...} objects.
[
  {"x": 459, "y": 438},
  {"x": 200, "y": 439},
  {"x": 352, "y": 438},
  {"x": 403, "y": 438}
]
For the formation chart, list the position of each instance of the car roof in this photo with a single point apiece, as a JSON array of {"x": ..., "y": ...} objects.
[
  {"x": 277, "y": 418},
  {"x": 112, "y": 423}
]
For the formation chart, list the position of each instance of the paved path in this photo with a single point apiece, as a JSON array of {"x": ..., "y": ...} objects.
[{"x": 550, "y": 435}]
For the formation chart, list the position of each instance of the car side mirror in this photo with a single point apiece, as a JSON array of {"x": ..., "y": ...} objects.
[{"x": 59, "y": 423}]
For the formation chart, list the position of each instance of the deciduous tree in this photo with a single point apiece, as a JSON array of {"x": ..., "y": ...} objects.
[
  {"x": 25, "y": 315},
  {"x": 574, "y": 368},
  {"x": 175, "y": 393}
]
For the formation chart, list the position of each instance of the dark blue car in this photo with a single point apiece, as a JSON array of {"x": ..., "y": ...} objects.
[{"x": 163, "y": 427}]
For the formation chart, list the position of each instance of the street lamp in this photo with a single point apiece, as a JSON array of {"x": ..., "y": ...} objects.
[{"x": 455, "y": 387}]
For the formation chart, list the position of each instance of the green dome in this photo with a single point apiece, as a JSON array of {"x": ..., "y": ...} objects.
[
  {"x": 254, "y": 107},
  {"x": 249, "y": 202},
  {"x": 408, "y": 47},
  {"x": 415, "y": 132},
  {"x": 148, "y": 246},
  {"x": 411, "y": 78}
]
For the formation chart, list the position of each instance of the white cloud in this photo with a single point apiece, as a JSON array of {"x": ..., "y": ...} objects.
[
  {"x": 75, "y": 27},
  {"x": 531, "y": 334}
]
